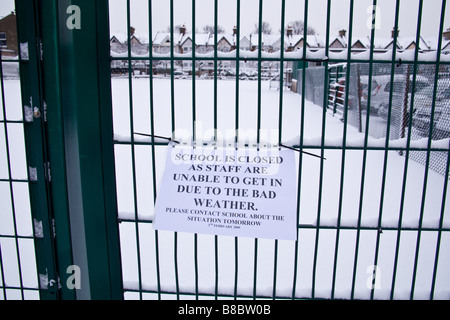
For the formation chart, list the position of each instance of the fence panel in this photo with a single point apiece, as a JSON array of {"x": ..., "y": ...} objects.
[
  {"x": 27, "y": 257},
  {"x": 372, "y": 224}
]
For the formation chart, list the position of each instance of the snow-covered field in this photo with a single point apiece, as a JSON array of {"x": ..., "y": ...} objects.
[{"x": 372, "y": 203}]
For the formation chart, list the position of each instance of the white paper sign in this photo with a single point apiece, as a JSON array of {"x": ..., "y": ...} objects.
[{"x": 224, "y": 191}]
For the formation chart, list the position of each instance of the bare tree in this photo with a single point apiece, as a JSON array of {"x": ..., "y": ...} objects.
[
  {"x": 265, "y": 28},
  {"x": 299, "y": 27},
  {"x": 211, "y": 29},
  {"x": 176, "y": 29}
]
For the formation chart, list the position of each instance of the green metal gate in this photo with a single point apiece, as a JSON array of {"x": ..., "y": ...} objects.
[
  {"x": 99, "y": 121},
  {"x": 54, "y": 242}
]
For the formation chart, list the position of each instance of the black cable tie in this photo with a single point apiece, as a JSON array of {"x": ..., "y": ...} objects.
[
  {"x": 155, "y": 136},
  {"x": 305, "y": 152}
]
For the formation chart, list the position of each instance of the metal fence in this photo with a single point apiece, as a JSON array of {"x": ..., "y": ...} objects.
[
  {"x": 359, "y": 211},
  {"x": 19, "y": 278},
  {"x": 97, "y": 110}
]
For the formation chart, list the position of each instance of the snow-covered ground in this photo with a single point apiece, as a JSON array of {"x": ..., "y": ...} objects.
[{"x": 309, "y": 192}]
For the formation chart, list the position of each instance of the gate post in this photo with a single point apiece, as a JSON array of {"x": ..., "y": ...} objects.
[{"x": 83, "y": 43}]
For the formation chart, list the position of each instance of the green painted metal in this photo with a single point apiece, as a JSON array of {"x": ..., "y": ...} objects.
[
  {"x": 86, "y": 108},
  {"x": 35, "y": 142},
  {"x": 55, "y": 142}
]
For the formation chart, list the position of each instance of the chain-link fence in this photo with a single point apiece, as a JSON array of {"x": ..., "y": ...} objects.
[{"x": 401, "y": 103}]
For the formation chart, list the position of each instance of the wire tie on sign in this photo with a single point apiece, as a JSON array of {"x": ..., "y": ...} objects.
[
  {"x": 155, "y": 136},
  {"x": 302, "y": 151}
]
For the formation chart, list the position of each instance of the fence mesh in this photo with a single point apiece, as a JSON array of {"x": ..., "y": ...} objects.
[{"x": 391, "y": 105}]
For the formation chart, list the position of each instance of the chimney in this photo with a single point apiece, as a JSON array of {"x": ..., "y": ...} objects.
[
  {"x": 446, "y": 34},
  {"x": 183, "y": 29},
  {"x": 233, "y": 46},
  {"x": 342, "y": 33},
  {"x": 132, "y": 29},
  {"x": 289, "y": 30},
  {"x": 393, "y": 32}
]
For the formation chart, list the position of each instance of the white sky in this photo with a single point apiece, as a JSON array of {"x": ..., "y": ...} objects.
[{"x": 272, "y": 14}]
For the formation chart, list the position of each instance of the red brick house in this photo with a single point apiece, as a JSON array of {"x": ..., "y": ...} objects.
[{"x": 8, "y": 36}]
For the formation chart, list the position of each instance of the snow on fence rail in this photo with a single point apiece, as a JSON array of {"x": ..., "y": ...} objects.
[{"x": 320, "y": 55}]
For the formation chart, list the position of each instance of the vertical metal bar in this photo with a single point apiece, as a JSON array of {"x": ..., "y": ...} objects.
[
  {"x": 2, "y": 271},
  {"x": 386, "y": 151},
  {"x": 258, "y": 128},
  {"x": 407, "y": 154},
  {"x": 260, "y": 35},
  {"x": 280, "y": 124},
  {"x": 51, "y": 75},
  {"x": 216, "y": 238},
  {"x": 275, "y": 264},
  {"x": 344, "y": 144},
  {"x": 10, "y": 177},
  {"x": 255, "y": 269},
  {"x": 152, "y": 131},
  {"x": 175, "y": 253},
  {"x": 216, "y": 8},
  {"x": 194, "y": 111},
  {"x": 441, "y": 221},
  {"x": 430, "y": 137},
  {"x": 194, "y": 134},
  {"x": 316, "y": 245},
  {"x": 196, "y": 265},
  {"x": 172, "y": 95},
  {"x": 319, "y": 204},
  {"x": 238, "y": 50},
  {"x": 133, "y": 156},
  {"x": 216, "y": 269},
  {"x": 236, "y": 266},
  {"x": 172, "y": 61},
  {"x": 366, "y": 138},
  {"x": 238, "y": 32},
  {"x": 294, "y": 280},
  {"x": 112, "y": 247},
  {"x": 280, "y": 113}
]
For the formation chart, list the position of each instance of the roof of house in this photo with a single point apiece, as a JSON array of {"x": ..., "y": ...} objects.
[{"x": 313, "y": 41}]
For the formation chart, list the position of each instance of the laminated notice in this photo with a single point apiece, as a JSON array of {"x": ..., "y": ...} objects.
[{"x": 227, "y": 191}]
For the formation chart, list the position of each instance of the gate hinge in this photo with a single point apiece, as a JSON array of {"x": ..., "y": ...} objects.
[
  {"x": 38, "y": 229},
  {"x": 32, "y": 112},
  {"x": 24, "y": 54},
  {"x": 49, "y": 284},
  {"x": 32, "y": 173}
]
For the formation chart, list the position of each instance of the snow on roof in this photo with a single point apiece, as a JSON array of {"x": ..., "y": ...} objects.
[
  {"x": 313, "y": 41},
  {"x": 123, "y": 37}
]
